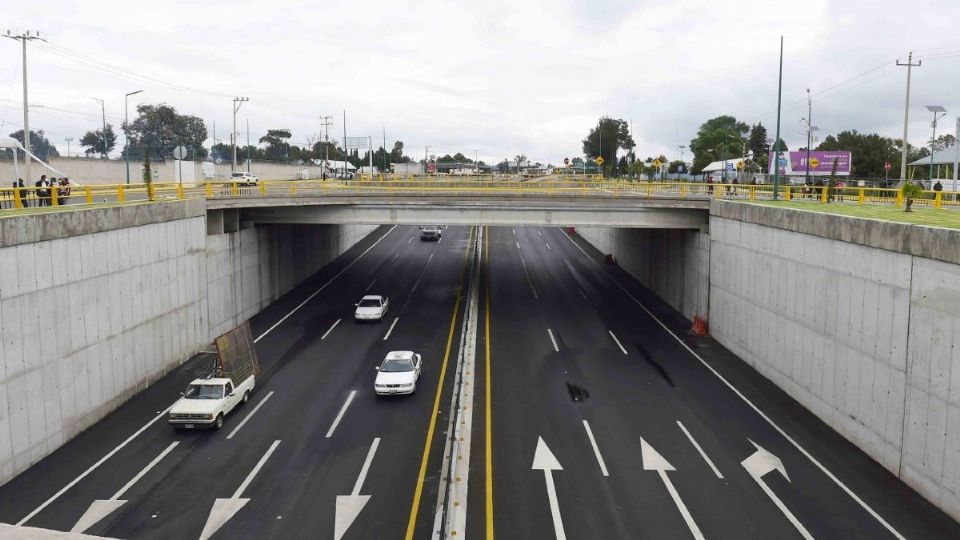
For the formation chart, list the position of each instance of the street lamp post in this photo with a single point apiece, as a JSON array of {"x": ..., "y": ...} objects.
[
  {"x": 69, "y": 140},
  {"x": 126, "y": 126},
  {"x": 938, "y": 113},
  {"x": 237, "y": 103},
  {"x": 24, "y": 37},
  {"x": 681, "y": 161},
  {"x": 103, "y": 111}
]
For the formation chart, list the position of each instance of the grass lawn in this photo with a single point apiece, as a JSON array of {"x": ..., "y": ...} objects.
[{"x": 944, "y": 217}]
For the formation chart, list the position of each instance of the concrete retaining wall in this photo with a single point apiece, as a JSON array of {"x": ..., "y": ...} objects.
[
  {"x": 672, "y": 263},
  {"x": 96, "y": 304},
  {"x": 857, "y": 320}
]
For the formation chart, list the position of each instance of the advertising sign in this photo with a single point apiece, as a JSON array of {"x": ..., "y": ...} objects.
[{"x": 821, "y": 162}]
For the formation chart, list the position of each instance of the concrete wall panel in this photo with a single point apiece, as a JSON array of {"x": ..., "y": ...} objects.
[{"x": 87, "y": 321}]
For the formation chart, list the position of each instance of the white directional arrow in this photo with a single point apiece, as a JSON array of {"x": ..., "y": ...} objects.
[
  {"x": 544, "y": 460},
  {"x": 653, "y": 461},
  {"x": 762, "y": 462},
  {"x": 349, "y": 506},
  {"x": 102, "y": 508},
  {"x": 224, "y": 509}
]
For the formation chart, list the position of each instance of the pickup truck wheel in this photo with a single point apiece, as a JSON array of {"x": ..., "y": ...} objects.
[
  {"x": 246, "y": 396},
  {"x": 218, "y": 423}
]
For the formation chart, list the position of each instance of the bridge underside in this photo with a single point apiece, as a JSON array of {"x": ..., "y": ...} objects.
[{"x": 657, "y": 214}]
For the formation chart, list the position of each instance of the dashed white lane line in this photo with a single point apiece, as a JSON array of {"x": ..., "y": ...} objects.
[
  {"x": 395, "y": 257},
  {"x": 256, "y": 469},
  {"x": 439, "y": 240},
  {"x": 343, "y": 410},
  {"x": 529, "y": 281},
  {"x": 583, "y": 294},
  {"x": 514, "y": 231},
  {"x": 617, "y": 341},
  {"x": 394, "y": 323},
  {"x": 746, "y": 400},
  {"x": 410, "y": 240},
  {"x": 553, "y": 340},
  {"x": 327, "y": 333},
  {"x": 322, "y": 287},
  {"x": 250, "y": 415},
  {"x": 596, "y": 449},
  {"x": 702, "y": 453},
  {"x": 93, "y": 467},
  {"x": 539, "y": 233},
  {"x": 370, "y": 285},
  {"x": 548, "y": 246},
  {"x": 518, "y": 245}
]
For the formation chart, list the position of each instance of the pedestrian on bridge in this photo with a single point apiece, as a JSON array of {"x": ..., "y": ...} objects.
[
  {"x": 41, "y": 191},
  {"x": 64, "y": 192}
]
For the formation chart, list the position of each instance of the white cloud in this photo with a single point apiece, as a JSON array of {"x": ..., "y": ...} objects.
[{"x": 500, "y": 77}]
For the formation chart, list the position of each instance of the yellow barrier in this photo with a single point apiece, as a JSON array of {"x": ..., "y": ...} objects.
[{"x": 576, "y": 186}]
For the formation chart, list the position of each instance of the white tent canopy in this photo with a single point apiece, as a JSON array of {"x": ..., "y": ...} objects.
[{"x": 717, "y": 166}]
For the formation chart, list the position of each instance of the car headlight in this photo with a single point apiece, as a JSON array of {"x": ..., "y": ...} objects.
[{"x": 208, "y": 416}]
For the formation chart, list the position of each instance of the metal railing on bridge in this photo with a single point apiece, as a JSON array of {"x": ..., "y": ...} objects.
[{"x": 573, "y": 186}]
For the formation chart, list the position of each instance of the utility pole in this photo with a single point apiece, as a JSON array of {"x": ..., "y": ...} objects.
[
  {"x": 682, "y": 163},
  {"x": 248, "y": 145},
  {"x": 326, "y": 122},
  {"x": 810, "y": 129},
  {"x": 776, "y": 141},
  {"x": 103, "y": 110},
  {"x": 906, "y": 116},
  {"x": 237, "y": 103},
  {"x": 126, "y": 126},
  {"x": 24, "y": 37},
  {"x": 70, "y": 140},
  {"x": 385, "y": 160},
  {"x": 345, "y": 151}
]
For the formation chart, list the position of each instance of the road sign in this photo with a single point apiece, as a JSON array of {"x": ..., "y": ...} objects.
[
  {"x": 180, "y": 152},
  {"x": 740, "y": 165},
  {"x": 600, "y": 160},
  {"x": 219, "y": 161},
  {"x": 887, "y": 165},
  {"x": 566, "y": 161},
  {"x": 814, "y": 162},
  {"x": 657, "y": 163}
]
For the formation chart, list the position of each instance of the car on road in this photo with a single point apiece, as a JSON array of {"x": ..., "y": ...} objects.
[
  {"x": 244, "y": 178},
  {"x": 371, "y": 307},
  {"x": 398, "y": 374},
  {"x": 207, "y": 401},
  {"x": 430, "y": 232}
]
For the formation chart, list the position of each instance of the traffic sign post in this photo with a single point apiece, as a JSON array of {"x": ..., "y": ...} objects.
[
  {"x": 886, "y": 172},
  {"x": 180, "y": 153}
]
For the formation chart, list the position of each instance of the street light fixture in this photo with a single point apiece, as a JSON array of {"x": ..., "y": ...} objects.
[
  {"x": 126, "y": 126},
  {"x": 938, "y": 112},
  {"x": 103, "y": 111}
]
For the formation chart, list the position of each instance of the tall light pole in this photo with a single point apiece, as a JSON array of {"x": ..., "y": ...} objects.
[
  {"x": 906, "y": 116},
  {"x": 103, "y": 111},
  {"x": 126, "y": 126},
  {"x": 810, "y": 130},
  {"x": 327, "y": 121},
  {"x": 237, "y": 103},
  {"x": 69, "y": 140},
  {"x": 938, "y": 113},
  {"x": 682, "y": 163},
  {"x": 776, "y": 141},
  {"x": 24, "y": 37}
]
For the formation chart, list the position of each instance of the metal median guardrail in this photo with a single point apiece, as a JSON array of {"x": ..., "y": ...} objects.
[{"x": 567, "y": 186}]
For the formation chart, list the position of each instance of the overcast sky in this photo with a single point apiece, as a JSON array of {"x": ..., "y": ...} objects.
[{"x": 498, "y": 77}]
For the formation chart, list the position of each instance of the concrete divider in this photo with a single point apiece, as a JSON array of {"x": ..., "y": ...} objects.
[{"x": 96, "y": 304}]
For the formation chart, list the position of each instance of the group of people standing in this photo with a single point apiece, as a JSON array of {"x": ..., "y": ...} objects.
[{"x": 43, "y": 192}]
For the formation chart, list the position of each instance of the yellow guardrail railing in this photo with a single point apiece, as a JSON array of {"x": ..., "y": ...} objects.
[{"x": 581, "y": 186}]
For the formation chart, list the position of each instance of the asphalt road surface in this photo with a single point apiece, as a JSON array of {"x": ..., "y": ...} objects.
[{"x": 596, "y": 416}]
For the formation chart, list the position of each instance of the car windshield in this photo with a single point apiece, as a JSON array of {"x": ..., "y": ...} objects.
[
  {"x": 237, "y": 175},
  {"x": 204, "y": 391},
  {"x": 369, "y": 302},
  {"x": 428, "y": 228},
  {"x": 396, "y": 365}
]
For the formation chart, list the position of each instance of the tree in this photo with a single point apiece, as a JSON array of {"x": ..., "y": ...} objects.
[
  {"x": 757, "y": 143},
  {"x": 605, "y": 139},
  {"x": 396, "y": 155},
  {"x": 674, "y": 166},
  {"x": 161, "y": 129},
  {"x": 911, "y": 191},
  {"x": 717, "y": 138},
  {"x": 943, "y": 142},
  {"x": 93, "y": 140},
  {"x": 278, "y": 149},
  {"x": 520, "y": 159},
  {"x": 39, "y": 144}
]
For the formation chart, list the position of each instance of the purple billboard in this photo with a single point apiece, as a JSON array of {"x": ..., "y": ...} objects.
[{"x": 821, "y": 162}]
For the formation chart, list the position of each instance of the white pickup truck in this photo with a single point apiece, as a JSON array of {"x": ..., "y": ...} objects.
[{"x": 207, "y": 401}]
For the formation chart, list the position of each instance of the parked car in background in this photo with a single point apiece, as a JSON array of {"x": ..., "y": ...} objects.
[
  {"x": 398, "y": 374},
  {"x": 244, "y": 178},
  {"x": 371, "y": 308}
]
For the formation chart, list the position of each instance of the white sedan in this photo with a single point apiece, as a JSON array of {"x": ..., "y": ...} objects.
[
  {"x": 398, "y": 373},
  {"x": 371, "y": 308}
]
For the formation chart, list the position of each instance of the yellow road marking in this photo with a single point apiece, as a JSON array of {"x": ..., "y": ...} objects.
[
  {"x": 489, "y": 420},
  {"x": 418, "y": 491}
]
